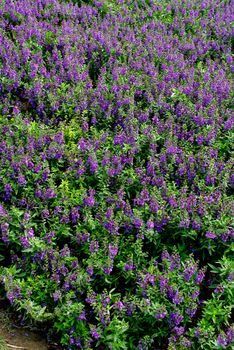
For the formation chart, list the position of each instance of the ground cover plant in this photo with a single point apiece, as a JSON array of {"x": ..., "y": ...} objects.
[{"x": 116, "y": 171}]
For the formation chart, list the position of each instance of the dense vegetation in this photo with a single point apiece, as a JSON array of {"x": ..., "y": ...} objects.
[{"x": 116, "y": 171}]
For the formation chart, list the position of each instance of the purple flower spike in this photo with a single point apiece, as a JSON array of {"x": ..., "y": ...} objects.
[
  {"x": 210, "y": 235},
  {"x": 95, "y": 334}
]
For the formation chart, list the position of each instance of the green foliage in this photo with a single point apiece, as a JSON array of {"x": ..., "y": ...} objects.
[{"x": 115, "y": 335}]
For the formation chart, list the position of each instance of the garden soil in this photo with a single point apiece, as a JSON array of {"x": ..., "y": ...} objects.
[{"x": 20, "y": 338}]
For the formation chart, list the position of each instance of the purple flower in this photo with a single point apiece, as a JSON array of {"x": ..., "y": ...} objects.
[
  {"x": 75, "y": 215},
  {"x": 138, "y": 223},
  {"x": 210, "y": 235},
  {"x": 64, "y": 219},
  {"x": 27, "y": 216},
  {"x": 55, "y": 277},
  {"x": 172, "y": 201},
  {"x": 8, "y": 190},
  {"x": 200, "y": 139},
  {"x": 195, "y": 294},
  {"x": 200, "y": 276},
  {"x": 196, "y": 225},
  {"x": 119, "y": 139},
  {"x": 45, "y": 214},
  {"x": 119, "y": 305},
  {"x": 21, "y": 180},
  {"x": 16, "y": 110},
  {"x": 219, "y": 290},
  {"x": 128, "y": 266},
  {"x": 89, "y": 201},
  {"x": 65, "y": 251},
  {"x": 179, "y": 330},
  {"x": 66, "y": 286},
  {"x": 91, "y": 299},
  {"x": 176, "y": 318},
  {"x": 82, "y": 316},
  {"x": 30, "y": 233},
  {"x": 49, "y": 194},
  {"x": 95, "y": 334},
  {"x": 230, "y": 334},
  {"x": 176, "y": 299},
  {"x": 108, "y": 270},
  {"x": 94, "y": 246},
  {"x": 197, "y": 332},
  {"x": 185, "y": 223},
  {"x": 11, "y": 297},
  {"x": 191, "y": 312},
  {"x": 24, "y": 241},
  {"x": 189, "y": 272},
  {"x": 109, "y": 213},
  {"x": 38, "y": 193},
  {"x": 49, "y": 237},
  {"x": 163, "y": 282},
  {"x": 153, "y": 206},
  {"x": 222, "y": 340},
  {"x": 83, "y": 144},
  {"x": 111, "y": 226},
  {"x": 148, "y": 279},
  {"x": 89, "y": 270},
  {"x": 57, "y": 295},
  {"x": 105, "y": 299},
  {"x": 4, "y": 229},
  {"x": 57, "y": 210},
  {"x": 150, "y": 224},
  {"x": 44, "y": 175},
  {"x": 160, "y": 315},
  {"x": 113, "y": 250},
  {"x": 140, "y": 236},
  {"x": 2, "y": 211},
  {"x": 74, "y": 264},
  {"x": 93, "y": 165}
]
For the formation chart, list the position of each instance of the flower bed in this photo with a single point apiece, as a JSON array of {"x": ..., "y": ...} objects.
[{"x": 116, "y": 170}]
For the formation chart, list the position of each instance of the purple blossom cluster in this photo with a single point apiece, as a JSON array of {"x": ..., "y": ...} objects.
[{"x": 116, "y": 170}]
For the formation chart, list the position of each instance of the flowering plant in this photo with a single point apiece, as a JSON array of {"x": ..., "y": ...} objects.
[{"x": 116, "y": 171}]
